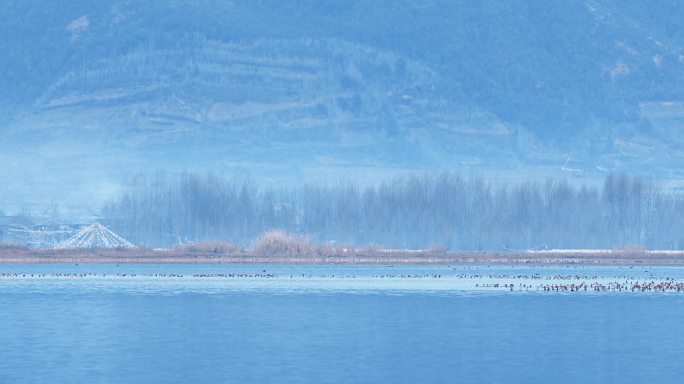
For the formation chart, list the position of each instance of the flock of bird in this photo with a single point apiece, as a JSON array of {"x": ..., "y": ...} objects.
[{"x": 503, "y": 282}]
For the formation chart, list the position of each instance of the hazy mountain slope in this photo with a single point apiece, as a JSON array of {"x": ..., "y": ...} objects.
[
  {"x": 267, "y": 106},
  {"x": 93, "y": 92}
]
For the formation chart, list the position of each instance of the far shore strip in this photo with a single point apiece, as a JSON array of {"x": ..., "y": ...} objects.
[{"x": 378, "y": 257}]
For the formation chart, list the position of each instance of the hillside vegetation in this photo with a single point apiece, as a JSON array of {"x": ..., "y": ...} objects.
[{"x": 282, "y": 91}]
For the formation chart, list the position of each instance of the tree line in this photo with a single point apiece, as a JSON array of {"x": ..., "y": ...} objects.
[{"x": 447, "y": 211}]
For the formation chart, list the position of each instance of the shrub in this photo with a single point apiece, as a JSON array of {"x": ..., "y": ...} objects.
[
  {"x": 208, "y": 247},
  {"x": 632, "y": 250},
  {"x": 12, "y": 246},
  {"x": 280, "y": 243}
]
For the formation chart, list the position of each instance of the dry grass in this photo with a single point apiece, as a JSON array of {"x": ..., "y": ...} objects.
[
  {"x": 209, "y": 247},
  {"x": 632, "y": 250},
  {"x": 278, "y": 242},
  {"x": 281, "y": 247},
  {"x": 11, "y": 246}
]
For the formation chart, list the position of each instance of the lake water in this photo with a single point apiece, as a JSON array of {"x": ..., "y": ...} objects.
[{"x": 336, "y": 324}]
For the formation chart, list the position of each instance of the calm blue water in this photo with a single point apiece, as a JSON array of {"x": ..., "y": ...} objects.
[{"x": 315, "y": 328}]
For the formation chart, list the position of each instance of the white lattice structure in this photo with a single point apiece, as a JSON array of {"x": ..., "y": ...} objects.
[
  {"x": 39, "y": 236},
  {"x": 95, "y": 236}
]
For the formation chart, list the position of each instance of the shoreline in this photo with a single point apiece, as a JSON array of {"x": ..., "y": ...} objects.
[{"x": 171, "y": 256}]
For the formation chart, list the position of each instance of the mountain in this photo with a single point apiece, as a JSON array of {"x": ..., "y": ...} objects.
[{"x": 96, "y": 92}]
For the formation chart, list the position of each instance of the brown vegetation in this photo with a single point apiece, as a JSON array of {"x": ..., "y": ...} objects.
[
  {"x": 209, "y": 247},
  {"x": 281, "y": 247},
  {"x": 632, "y": 250},
  {"x": 10, "y": 246},
  {"x": 276, "y": 242},
  {"x": 324, "y": 255}
]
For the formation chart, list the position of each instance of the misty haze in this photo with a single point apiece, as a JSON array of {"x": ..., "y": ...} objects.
[
  {"x": 247, "y": 191},
  {"x": 345, "y": 134}
]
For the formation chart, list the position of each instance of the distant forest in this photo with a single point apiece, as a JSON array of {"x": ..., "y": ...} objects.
[{"x": 445, "y": 211}]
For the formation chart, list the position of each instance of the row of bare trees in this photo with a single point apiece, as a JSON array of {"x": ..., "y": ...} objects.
[{"x": 469, "y": 213}]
